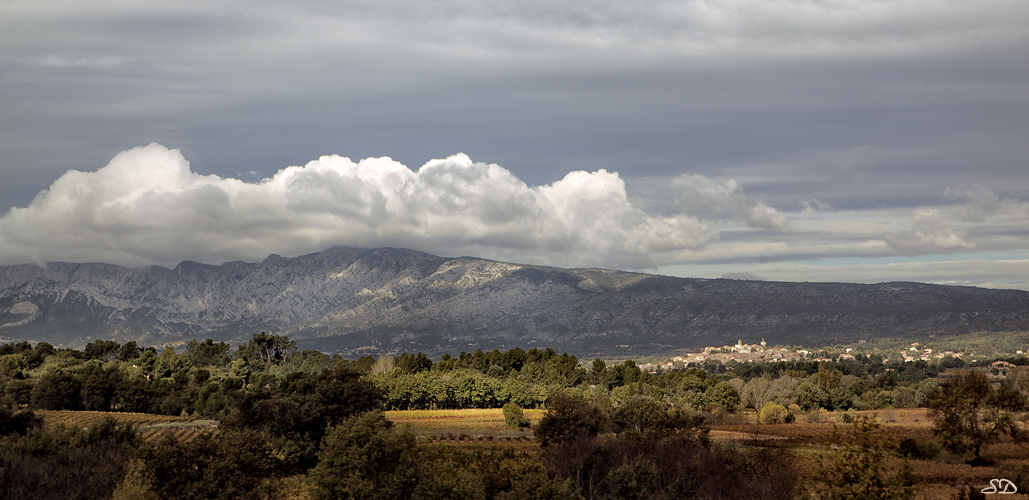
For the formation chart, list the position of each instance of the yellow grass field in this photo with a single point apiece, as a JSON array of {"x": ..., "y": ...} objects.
[{"x": 475, "y": 423}]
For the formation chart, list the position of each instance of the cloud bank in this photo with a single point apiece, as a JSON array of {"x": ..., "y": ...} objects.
[{"x": 147, "y": 206}]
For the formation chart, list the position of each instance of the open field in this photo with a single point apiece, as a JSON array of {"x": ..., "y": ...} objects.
[{"x": 475, "y": 423}]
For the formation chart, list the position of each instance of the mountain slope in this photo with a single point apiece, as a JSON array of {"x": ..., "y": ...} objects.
[{"x": 359, "y": 300}]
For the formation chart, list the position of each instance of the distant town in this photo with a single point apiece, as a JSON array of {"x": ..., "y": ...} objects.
[{"x": 761, "y": 353}]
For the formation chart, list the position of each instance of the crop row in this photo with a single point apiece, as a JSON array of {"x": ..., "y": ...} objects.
[{"x": 150, "y": 426}]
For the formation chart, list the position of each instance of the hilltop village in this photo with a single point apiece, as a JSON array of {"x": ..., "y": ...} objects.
[{"x": 761, "y": 353}]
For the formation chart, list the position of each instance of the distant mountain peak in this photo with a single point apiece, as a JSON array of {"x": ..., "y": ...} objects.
[{"x": 394, "y": 299}]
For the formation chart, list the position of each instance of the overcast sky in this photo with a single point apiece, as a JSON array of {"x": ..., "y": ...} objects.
[{"x": 792, "y": 140}]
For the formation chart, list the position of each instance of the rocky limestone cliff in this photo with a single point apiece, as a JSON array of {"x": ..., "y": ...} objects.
[{"x": 355, "y": 300}]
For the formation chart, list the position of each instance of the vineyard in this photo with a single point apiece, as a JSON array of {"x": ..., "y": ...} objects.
[
  {"x": 467, "y": 426},
  {"x": 151, "y": 427}
]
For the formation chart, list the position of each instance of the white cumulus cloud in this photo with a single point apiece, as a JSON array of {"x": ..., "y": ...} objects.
[{"x": 147, "y": 206}]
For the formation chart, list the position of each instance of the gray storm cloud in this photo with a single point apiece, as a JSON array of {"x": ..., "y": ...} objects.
[
  {"x": 956, "y": 226},
  {"x": 979, "y": 202},
  {"x": 930, "y": 232},
  {"x": 148, "y": 206}
]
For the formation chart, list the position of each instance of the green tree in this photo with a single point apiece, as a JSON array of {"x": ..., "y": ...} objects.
[
  {"x": 968, "y": 413},
  {"x": 635, "y": 479},
  {"x": 98, "y": 386},
  {"x": 722, "y": 395},
  {"x": 625, "y": 373},
  {"x": 539, "y": 487},
  {"x": 129, "y": 351},
  {"x": 208, "y": 353},
  {"x": 266, "y": 348},
  {"x": 104, "y": 350},
  {"x": 11, "y": 365},
  {"x": 366, "y": 458},
  {"x": 39, "y": 354},
  {"x": 813, "y": 396},
  {"x": 167, "y": 363},
  {"x": 57, "y": 390},
  {"x": 569, "y": 418},
  {"x": 295, "y": 414},
  {"x": 411, "y": 363},
  {"x": 598, "y": 371},
  {"x": 641, "y": 416},
  {"x": 625, "y": 392},
  {"x": 857, "y": 469}
]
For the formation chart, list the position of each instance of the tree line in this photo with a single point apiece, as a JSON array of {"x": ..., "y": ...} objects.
[{"x": 609, "y": 431}]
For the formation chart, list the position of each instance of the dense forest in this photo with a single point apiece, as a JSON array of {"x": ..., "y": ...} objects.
[{"x": 290, "y": 420}]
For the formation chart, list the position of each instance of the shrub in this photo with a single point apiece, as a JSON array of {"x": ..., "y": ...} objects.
[
  {"x": 970, "y": 493},
  {"x": 567, "y": 419},
  {"x": 228, "y": 465},
  {"x": 774, "y": 413},
  {"x": 17, "y": 423},
  {"x": 138, "y": 483},
  {"x": 514, "y": 417},
  {"x": 814, "y": 416},
  {"x": 910, "y": 448},
  {"x": 670, "y": 466},
  {"x": 539, "y": 486},
  {"x": 856, "y": 469},
  {"x": 67, "y": 463}
]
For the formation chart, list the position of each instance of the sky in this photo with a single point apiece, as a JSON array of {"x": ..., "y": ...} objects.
[{"x": 785, "y": 140}]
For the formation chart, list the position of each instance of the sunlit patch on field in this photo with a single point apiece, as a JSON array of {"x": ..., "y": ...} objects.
[{"x": 473, "y": 423}]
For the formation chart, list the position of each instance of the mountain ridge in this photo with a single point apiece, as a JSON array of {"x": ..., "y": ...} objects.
[{"x": 355, "y": 300}]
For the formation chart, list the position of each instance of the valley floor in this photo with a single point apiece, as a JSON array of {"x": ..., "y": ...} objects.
[{"x": 806, "y": 440}]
